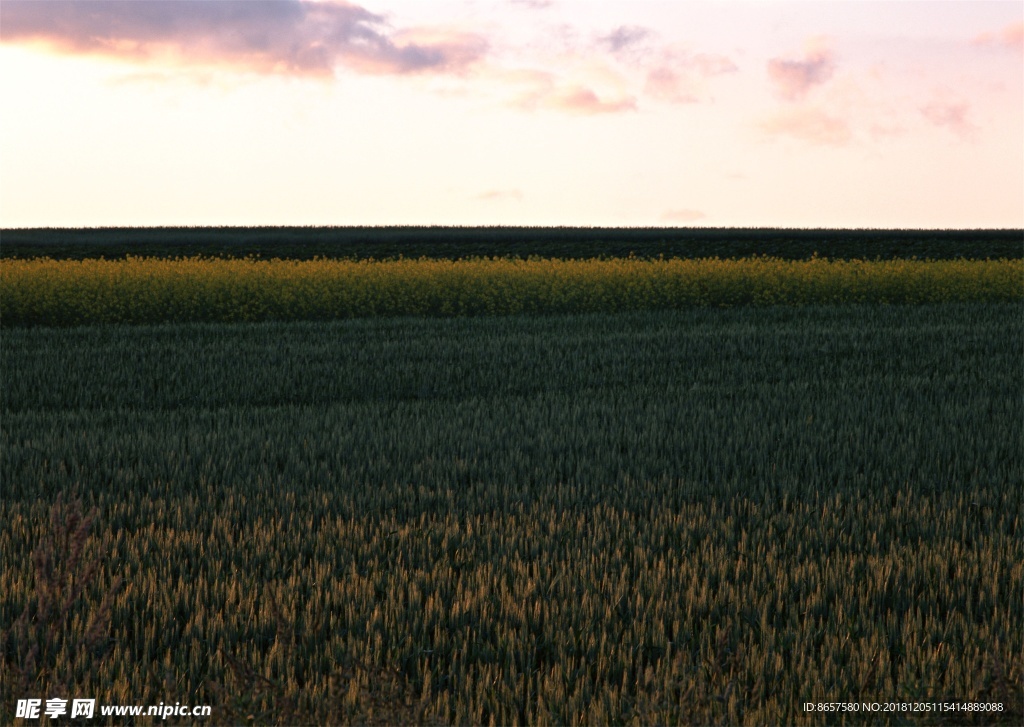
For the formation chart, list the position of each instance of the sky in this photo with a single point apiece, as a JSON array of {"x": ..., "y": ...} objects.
[{"x": 842, "y": 114}]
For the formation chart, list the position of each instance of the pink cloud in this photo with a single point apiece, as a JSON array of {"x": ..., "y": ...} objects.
[
  {"x": 501, "y": 195},
  {"x": 574, "y": 93},
  {"x": 665, "y": 84},
  {"x": 534, "y": 4},
  {"x": 683, "y": 215},
  {"x": 810, "y": 125},
  {"x": 297, "y": 37},
  {"x": 886, "y": 130},
  {"x": 582, "y": 100},
  {"x": 952, "y": 115},
  {"x": 794, "y": 78},
  {"x": 680, "y": 79},
  {"x": 1011, "y": 36},
  {"x": 708, "y": 64}
]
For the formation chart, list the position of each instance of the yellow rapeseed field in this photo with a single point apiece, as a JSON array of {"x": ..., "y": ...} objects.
[{"x": 139, "y": 290}]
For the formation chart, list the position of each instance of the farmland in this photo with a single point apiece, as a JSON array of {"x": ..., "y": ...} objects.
[
  {"x": 696, "y": 515},
  {"x": 154, "y": 290}
]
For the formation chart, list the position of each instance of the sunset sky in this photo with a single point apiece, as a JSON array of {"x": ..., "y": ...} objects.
[{"x": 513, "y": 112}]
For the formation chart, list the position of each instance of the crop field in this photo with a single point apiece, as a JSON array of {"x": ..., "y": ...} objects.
[
  {"x": 152, "y": 290},
  {"x": 699, "y": 515}
]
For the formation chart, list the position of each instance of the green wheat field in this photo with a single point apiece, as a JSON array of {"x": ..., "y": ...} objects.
[{"x": 601, "y": 492}]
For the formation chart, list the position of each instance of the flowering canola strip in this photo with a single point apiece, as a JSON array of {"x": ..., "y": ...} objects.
[{"x": 43, "y": 291}]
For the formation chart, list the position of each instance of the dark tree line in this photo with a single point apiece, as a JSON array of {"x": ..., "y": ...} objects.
[{"x": 305, "y": 243}]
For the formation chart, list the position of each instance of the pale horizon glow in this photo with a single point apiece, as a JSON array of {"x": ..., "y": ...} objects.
[{"x": 847, "y": 114}]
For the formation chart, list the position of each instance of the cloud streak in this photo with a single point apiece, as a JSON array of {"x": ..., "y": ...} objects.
[
  {"x": 585, "y": 101},
  {"x": 665, "y": 72},
  {"x": 501, "y": 195},
  {"x": 576, "y": 99},
  {"x": 292, "y": 37},
  {"x": 793, "y": 79},
  {"x": 810, "y": 125},
  {"x": 682, "y": 79},
  {"x": 534, "y": 4},
  {"x": 683, "y": 215},
  {"x": 1010, "y": 36},
  {"x": 665, "y": 84},
  {"x": 951, "y": 115}
]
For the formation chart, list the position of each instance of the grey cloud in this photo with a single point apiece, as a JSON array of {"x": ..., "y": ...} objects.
[
  {"x": 280, "y": 36},
  {"x": 624, "y": 36},
  {"x": 794, "y": 78}
]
